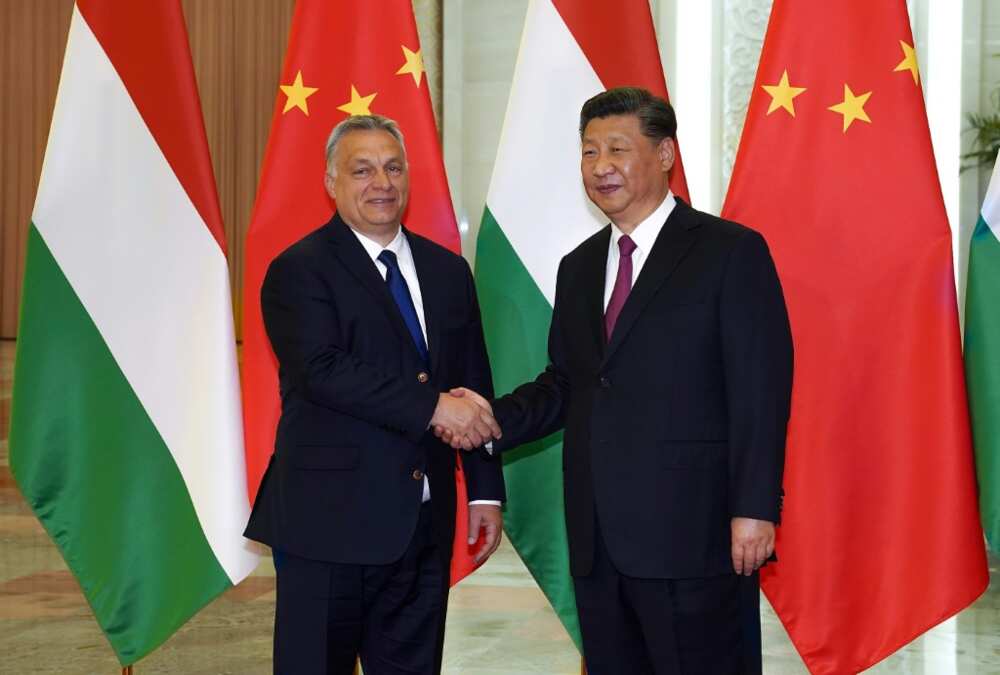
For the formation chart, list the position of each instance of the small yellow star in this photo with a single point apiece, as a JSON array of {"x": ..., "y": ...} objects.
[
  {"x": 909, "y": 62},
  {"x": 297, "y": 94},
  {"x": 852, "y": 107},
  {"x": 782, "y": 95},
  {"x": 414, "y": 65},
  {"x": 358, "y": 105}
]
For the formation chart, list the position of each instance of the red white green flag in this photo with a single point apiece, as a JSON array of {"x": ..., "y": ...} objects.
[
  {"x": 982, "y": 355},
  {"x": 126, "y": 436}
]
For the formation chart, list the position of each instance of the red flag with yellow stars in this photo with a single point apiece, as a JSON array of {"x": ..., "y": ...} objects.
[
  {"x": 343, "y": 58},
  {"x": 880, "y": 538}
]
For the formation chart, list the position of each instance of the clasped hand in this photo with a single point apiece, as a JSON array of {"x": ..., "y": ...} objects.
[{"x": 464, "y": 419}]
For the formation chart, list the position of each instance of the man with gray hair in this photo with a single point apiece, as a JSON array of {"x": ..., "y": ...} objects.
[{"x": 370, "y": 324}]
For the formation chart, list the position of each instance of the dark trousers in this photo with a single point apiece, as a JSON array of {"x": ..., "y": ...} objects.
[
  {"x": 392, "y": 616},
  {"x": 753, "y": 657},
  {"x": 658, "y": 626}
]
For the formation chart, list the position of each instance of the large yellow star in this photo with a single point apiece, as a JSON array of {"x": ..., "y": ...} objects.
[
  {"x": 782, "y": 95},
  {"x": 297, "y": 94},
  {"x": 909, "y": 62},
  {"x": 414, "y": 65},
  {"x": 358, "y": 105},
  {"x": 852, "y": 107}
]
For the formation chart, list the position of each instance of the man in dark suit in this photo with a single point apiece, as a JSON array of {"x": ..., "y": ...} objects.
[
  {"x": 370, "y": 323},
  {"x": 671, "y": 371}
]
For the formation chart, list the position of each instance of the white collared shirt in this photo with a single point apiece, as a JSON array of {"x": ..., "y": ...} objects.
[
  {"x": 400, "y": 245},
  {"x": 644, "y": 236}
]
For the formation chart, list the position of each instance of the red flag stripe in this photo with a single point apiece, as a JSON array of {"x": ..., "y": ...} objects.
[
  {"x": 630, "y": 60},
  {"x": 168, "y": 102}
]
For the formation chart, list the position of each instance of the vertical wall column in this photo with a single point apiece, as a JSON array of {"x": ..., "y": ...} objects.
[
  {"x": 695, "y": 91},
  {"x": 430, "y": 26}
]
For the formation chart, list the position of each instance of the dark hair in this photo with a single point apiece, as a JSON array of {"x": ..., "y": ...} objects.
[{"x": 656, "y": 117}]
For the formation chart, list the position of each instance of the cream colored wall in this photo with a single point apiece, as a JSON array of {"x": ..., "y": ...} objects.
[
  {"x": 480, "y": 47},
  {"x": 989, "y": 48},
  {"x": 980, "y": 75}
]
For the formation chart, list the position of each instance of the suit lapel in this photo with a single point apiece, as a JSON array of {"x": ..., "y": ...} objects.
[
  {"x": 595, "y": 262},
  {"x": 432, "y": 295},
  {"x": 672, "y": 244},
  {"x": 353, "y": 256}
]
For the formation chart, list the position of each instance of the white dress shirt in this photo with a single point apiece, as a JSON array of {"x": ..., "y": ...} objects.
[
  {"x": 400, "y": 246},
  {"x": 644, "y": 236}
]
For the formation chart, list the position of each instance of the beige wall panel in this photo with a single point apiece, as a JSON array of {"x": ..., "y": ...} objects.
[
  {"x": 32, "y": 39},
  {"x": 238, "y": 47}
]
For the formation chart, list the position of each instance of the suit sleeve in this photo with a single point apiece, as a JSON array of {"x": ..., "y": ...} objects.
[
  {"x": 536, "y": 409},
  {"x": 300, "y": 317},
  {"x": 483, "y": 472},
  {"x": 757, "y": 358}
]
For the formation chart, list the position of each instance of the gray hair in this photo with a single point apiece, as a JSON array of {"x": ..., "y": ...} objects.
[{"x": 361, "y": 123}]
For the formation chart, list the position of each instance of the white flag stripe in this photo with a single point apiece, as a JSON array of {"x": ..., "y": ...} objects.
[
  {"x": 535, "y": 194},
  {"x": 154, "y": 281},
  {"x": 991, "y": 205}
]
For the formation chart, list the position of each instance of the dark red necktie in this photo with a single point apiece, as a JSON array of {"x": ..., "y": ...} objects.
[{"x": 623, "y": 284}]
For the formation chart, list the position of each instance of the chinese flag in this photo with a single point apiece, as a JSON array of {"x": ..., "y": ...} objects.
[
  {"x": 344, "y": 58},
  {"x": 880, "y": 538}
]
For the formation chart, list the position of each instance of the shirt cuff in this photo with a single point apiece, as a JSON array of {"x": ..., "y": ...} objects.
[{"x": 490, "y": 502}]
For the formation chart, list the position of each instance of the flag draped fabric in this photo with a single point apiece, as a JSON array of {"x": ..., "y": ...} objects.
[
  {"x": 982, "y": 355},
  {"x": 126, "y": 436},
  {"x": 880, "y": 538},
  {"x": 536, "y": 212},
  {"x": 343, "y": 58}
]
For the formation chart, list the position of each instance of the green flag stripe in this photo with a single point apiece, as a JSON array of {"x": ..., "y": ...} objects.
[
  {"x": 516, "y": 320},
  {"x": 98, "y": 475},
  {"x": 982, "y": 371}
]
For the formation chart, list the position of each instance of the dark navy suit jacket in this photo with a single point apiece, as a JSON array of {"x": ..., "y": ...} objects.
[
  {"x": 345, "y": 482},
  {"x": 678, "y": 423}
]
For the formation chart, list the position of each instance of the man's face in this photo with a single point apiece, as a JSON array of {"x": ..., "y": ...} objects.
[
  {"x": 369, "y": 180},
  {"x": 625, "y": 173}
]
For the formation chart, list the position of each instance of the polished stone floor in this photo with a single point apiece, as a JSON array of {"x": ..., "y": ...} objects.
[{"x": 498, "y": 620}]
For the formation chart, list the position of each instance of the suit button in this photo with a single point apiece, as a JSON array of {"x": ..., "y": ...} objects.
[
  {"x": 423, "y": 377},
  {"x": 417, "y": 474},
  {"x": 605, "y": 383}
]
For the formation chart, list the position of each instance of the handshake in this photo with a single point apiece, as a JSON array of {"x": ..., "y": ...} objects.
[{"x": 464, "y": 419}]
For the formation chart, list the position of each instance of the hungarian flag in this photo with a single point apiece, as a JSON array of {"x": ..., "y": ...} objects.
[
  {"x": 537, "y": 212},
  {"x": 880, "y": 537},
  {"x": 982, "y": 355},
  {"x": 344, "y": 58},
  {"x": 126, "y": 437}
]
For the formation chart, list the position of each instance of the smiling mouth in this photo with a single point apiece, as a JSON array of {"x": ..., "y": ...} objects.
[
  {"x": 382, "y": 201},
  {"x": 607, "y": 189}
]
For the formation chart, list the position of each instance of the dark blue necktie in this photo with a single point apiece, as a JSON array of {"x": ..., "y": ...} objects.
[{"x": 401, "y": 294}]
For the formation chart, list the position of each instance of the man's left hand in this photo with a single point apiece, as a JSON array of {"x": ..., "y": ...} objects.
[
  {"x": 753, "y": 543},
  {"x": 488, "y": 519}
]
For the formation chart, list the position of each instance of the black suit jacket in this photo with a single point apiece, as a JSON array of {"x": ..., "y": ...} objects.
[
  {"x": 345, "y": 481},
  {"x": 678, "y": 424}
]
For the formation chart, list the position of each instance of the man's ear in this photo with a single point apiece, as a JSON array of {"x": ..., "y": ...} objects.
[
  {"x": 667, "y": 151},
  {"x": 328, "y": 182}
]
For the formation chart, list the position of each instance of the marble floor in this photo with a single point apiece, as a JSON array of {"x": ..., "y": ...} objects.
[{"x": 498, "y": 620}]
